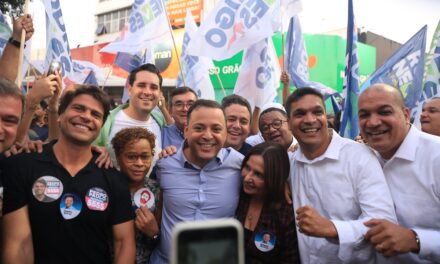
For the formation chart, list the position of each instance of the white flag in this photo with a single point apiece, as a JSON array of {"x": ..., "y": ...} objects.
[
  {"x": 259, "y": 76},
  {"x": 147, "y": 22},
  {"x": 231, "y": 27},
  {"x": 195, "y": 69}
]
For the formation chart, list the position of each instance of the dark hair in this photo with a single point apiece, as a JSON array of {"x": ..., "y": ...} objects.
[
  {"x": 145, "y": 67},
  {"x": 203, "y": 103},
  {"x": 91, "y": 90},
  {"x": 268, "y": 110},
  {"x": 41, "y": 180},
  {"x": 132, "y": 134},
  {"x": 236, "y": 99},
  {"x": 182, "y": 90},
  {"x": 298, "y": 94},
  {"x": 8, "y": 88},
  {"x": 276, "y": 168}
]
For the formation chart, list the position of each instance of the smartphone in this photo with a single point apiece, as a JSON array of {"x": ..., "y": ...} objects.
[
  {"x": 54, "y": 66},
  {"x": 208, "y": 242}
]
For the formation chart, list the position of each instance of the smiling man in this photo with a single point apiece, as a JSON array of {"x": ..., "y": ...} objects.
[
  {"x": 274, "y": 128},
  {"x": 33, "y": 228},
  {"x": 337, "y": 185},
  {"x": 430, "y": 117},
  {"x": 202, "y": 180},
  {"x": 411, "y": 164},
  {"x": 144, "y": 89}
]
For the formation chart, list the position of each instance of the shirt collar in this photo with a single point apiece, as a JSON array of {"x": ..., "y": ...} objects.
[
  {"x": 332, "y": 151},
  {"x": 408, "y": 148}
]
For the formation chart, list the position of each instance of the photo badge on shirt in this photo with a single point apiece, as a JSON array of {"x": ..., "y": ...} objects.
[
  {"x": 265, "y": 241},
  {"x": 47, "y": 189},
  {"x": 70, "y": 206},
  {"x": 144, "y": 197},
  {"x": 96, "y": 199}
]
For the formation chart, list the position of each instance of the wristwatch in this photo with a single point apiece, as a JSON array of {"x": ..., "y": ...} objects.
[{"x": 14, "y": 42}]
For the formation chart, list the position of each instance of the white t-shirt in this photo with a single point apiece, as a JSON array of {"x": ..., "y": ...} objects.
[
  {"x": 347, "y": 186},
  {"x": 122, "y": 120}
]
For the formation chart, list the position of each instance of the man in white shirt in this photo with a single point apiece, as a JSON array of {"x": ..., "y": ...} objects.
[
  {"x": 411, "y": 164},
  {"x": 144, "y": 87},
  {"x": 430, "y": 116},
  {"x": 337, "y": 185}
]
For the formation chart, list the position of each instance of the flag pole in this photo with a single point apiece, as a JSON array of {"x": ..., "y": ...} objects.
[
  {"x": 110, "y": 70},
  {"x": 21, "y": 54},
  {"x": 282, "y": 37},
  {"x": 174, "y": 43},
  {"x": 220, "y": 82}
]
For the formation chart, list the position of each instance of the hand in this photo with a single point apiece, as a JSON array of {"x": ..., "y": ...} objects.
[
  {"x": 27, "y": 146},
  {"x": 311, "y": 223},
  {"x": 168, "y": 151},
  {"x": 284, "y": 78},
  {"x": 54, "y": 100},
  {"x": 162, "y": 102},
  {"x": 103, "y": 158},
  {"x": 43, "y": 88},
  {"x": 23, "y": 22},
  {"x": 146, "y": 222},
  {"x": 391, "y": 239},
  {"x": 287, "y": 193}
]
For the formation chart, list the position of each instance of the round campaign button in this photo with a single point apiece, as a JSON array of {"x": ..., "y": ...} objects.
[
  {"x": 96, "y": 199},
  {"x": 144, "y": 197},
  {"x": 47, "y": 189},
  {"x": 265, "y": 241},
  {"x": 70, "y": 206}
]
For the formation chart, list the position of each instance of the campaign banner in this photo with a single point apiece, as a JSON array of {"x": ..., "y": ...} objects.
[
  {"x": 233, "y": 26},
  {"x": 5, "y": 33},
  {"x": 404, "y": 70},
  {"x": 349, "y": 120},
  {"x": 195, "y": 69},
  {"x": 431, "y": 83},
  {"x": 86, "y": 67},
  {"x": 259, "y": 76},
  {"x": 147, "y": 22}
]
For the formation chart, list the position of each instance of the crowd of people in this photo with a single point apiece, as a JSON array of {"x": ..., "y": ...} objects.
[{"x": 302, "y": 193}]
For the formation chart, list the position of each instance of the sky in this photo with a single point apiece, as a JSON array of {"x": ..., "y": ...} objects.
[{"x": 397, "y": 20}]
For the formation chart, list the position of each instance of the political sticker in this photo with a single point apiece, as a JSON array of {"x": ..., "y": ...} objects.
[
  {"x": 265, "y": 241},
  {"x": 70, "y": 206},
  {"x": 96, "y": 199},
  {"x": 47, "y": 189},
  {"x": 144, "y": 197}
]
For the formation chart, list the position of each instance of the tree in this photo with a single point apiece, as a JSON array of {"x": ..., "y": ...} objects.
[{"x": 12, "y": 7}]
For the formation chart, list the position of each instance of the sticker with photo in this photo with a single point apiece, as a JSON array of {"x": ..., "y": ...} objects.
[
  {"x": 265, "y": 241},
  {"x": 47, "y": 189},
  {"x": 70, "y": 206},
  {"x": 144, "y": 197},
  {"x": 96, "y": 199}
]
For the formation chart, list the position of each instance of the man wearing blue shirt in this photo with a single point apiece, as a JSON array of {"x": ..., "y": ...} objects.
[
  {"x": 181, "y": 100},
  {"x": 202, "y": 180}
]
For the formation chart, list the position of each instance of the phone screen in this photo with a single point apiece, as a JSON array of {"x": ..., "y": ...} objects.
[{"x": 211, "y": 245}]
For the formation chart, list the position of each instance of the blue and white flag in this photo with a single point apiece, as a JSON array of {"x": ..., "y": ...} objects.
[
  {"x": 127, "y": 61},
  {"x": 404, "y": 70},
  {"x": 296, "y": 60},
  {"x": 91, "y": 79},
  {"x": 431, "y": 84},
  {"x": 349, "y": 120},
  {"x": 86, "y": 66},
  {"x": 57, "y": 44},
  {"x": 147, "y": 22},
  {"x": 195, "y": 69},
  {"x": 5, "y": 33},
  {"x": 231, "y": 27},
  {"x": 259, "y": 76}
]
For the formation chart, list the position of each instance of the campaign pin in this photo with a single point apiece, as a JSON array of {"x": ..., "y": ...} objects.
[
  {"x": 96, "y": 199},
  {"x": 47, "y": 189},
  {"x": 70, "y": 206},
  {"x": 144, "y": 197},
  {"x": 265, "y": 241}
]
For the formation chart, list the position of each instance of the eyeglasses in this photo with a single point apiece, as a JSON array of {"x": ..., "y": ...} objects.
[
  {"x": 276, "y": 124},
  {"x": 181, "y": 105},
  {"x": 132, "y": 158}
]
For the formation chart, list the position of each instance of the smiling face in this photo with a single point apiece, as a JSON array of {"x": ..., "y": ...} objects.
[
  {"x": 69, "y": 201},
  {"x": 281, "y": 135},
  {"x": 82, "y": 120},
  {"x": 39, "y": 189},
  {"x": 10, "y": 115},
  {"x": 179, "y": 108},
  {"x": 238, "y": 125},
  {"x": 383, "y": 119},
  {"x": 135, "y": 160},
  {"x": 205, "y": 134},
  {"x": 308, "y": 124},
  {"x": 144, "y": 93},
  {"x": 430, "y": 117},
  {"x": 253, "y": 176}
]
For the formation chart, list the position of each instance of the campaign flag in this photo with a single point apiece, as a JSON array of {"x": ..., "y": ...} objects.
[
  {"x": 86, "y": 67},
  {"x": 147, "y": 22},
  {"x": 127, "y": 61},
  {"x": 91, "y": 79},
  {"x": 296, "y": 60},
  {"x": 195, "y": 69},
  {"x": 335, "y": 104},
  {"x": 431, "y": 84},
  {"x": 259, "y": 76},
  {"x": 349, "y": 119},
  {"x": 57, "y": 44},
  {"x": 404, "y": 70},
  {"x": 233, "y": 26},
  {"x": 5, "y": 33}
]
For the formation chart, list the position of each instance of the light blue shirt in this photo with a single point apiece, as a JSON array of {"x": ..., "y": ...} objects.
[
  {"x": 190, "y": 193},
  {"x": 171, "y": 135}
]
